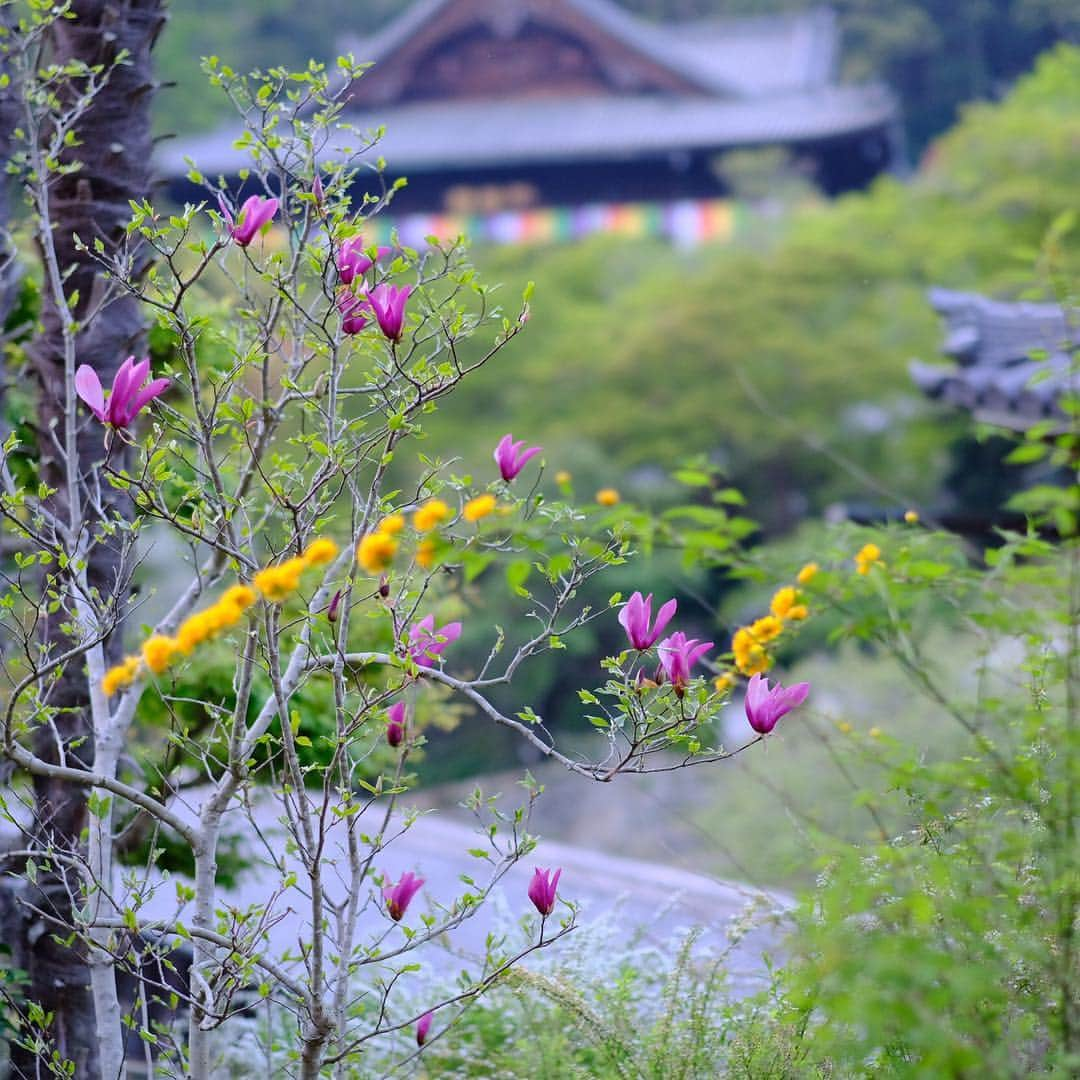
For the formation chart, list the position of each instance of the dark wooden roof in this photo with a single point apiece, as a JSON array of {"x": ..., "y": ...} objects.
[{"x": 1011, "y": 361}]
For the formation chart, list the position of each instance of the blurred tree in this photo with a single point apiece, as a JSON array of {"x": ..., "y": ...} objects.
[{"x": 746, "y": 352}]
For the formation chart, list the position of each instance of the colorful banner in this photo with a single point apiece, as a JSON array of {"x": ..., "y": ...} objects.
[{"x": 685, "y": 222}]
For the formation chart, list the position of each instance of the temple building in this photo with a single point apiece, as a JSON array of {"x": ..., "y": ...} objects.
[{"x": 506, "y": 106}]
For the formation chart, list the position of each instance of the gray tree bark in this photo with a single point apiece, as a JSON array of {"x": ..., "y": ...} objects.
[{"x": 115, "y": 151}]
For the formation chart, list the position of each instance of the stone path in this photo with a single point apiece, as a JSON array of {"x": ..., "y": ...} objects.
[{"x": 655, "y": 900}]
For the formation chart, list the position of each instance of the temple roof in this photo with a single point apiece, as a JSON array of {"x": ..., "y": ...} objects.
[
  {"x": 465, "y": 134},
  {"x": 1012, "y": 360},
  {"x": 745, "y": 56},
  {"x": 463, "y": 84}
]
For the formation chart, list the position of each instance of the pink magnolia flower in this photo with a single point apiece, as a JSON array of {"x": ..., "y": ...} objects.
[
  {"x": 635, "y": 617},
  {"x": 399, "y": 896},
  {"x": 764, "y": 707},
  {"x": 426, "y": 643},
  {"x": 543, "y": 889},
  {"x": 353, "y": 261},
  {"x": 128, "y": 395},
  {"x": 395, "y": 724},
  {"x": 423, "y": 1027},
  {"x": 354, "y": 310},
  {"x": 678, "y": 654},
  {"x": 510, "y": 457},
  {"x": 256, "y": 213},
  {"x": 388, "y": 303}
]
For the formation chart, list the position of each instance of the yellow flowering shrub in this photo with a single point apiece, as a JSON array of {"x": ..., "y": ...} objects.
[
  {"x": 432, "y": 514},
  {"x": 867, "y": 556},
  {"x": 277, "y": 582},
  {"x": 320, "y": 552},
  {"x": 194, "y": 630},
  {"x": 783, "y": 601},
  {"x": 158, "y": 651},
  {"x": 607, "y": 497},
  {"x": 240, "y": 597},
  {"x": 391, "y": 525},
  {"x": 274, "y": 582},
  {"x": 376, "y": 552},
  {"x": 750, "y": 655},
  {"x": 766, "y": 629},
  {"x": 807, "y": 573},
  {"x": 785, "y": 605},
  {"x": 116, "y": 678},
  {"x": 478, "y": 508},
  {"x": 723, "y": 683}
]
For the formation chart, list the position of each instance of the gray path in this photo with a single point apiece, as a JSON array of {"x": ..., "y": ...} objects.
[{"x": 656, "y": 901}]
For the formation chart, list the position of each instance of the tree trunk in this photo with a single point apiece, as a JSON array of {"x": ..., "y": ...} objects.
[
  {"x": 9, "y": 267},
  {"x": 115, "y": 148}
]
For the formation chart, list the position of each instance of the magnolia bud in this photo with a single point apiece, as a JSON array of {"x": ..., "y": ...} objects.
[
  {"x": 423, "y": 1026},
  {"x": 395, "y": 724},
  {"x": 335, "y": 604},
  {"x": 384, "y": 586}
]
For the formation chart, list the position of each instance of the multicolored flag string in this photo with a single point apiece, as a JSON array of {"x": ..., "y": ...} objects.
[{"x": 686, "y": 222}]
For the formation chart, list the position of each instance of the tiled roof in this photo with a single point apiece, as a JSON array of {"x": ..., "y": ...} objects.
[
  {"x": 742, "y": 56},
  {"x": 995, "y": 375},
  {"x": 467, "y": 134}
]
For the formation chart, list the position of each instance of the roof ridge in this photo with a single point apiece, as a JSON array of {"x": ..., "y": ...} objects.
[{"x": 717, "y": 58}]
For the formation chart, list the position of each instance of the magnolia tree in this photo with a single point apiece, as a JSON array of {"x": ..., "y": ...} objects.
[{"x": 245, "y": 608}]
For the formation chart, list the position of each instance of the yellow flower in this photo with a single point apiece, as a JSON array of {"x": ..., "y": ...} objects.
[
  {"x": 750, "y": 655},
  {"x": 276, "y": 582},
  {"x": 867, "y": 556},
  {"x": 240, "y": 597},
  {"x": 785, "y": 605},
  {"x": 477, "y": 508},
  {"x": 158, "y": 651},
  {"x": 783, "y": 601},
  {"x": 194, "y": 630},
  {"x": 911, "y": 517},
  {"x": 221, "y": 616},
  {"x": 376, "y": 552},
  {"x": 806, "y": 574},
  {"x": 874, "y": 733},
  {"x": 766, "y": 628},
  {"x": 756, "y": 663},
  {"x": 434, "y": 512},
  {"x": 320, "y": 552},
  {"x": 112, "y": 681},
  {"x": 116, "y": 678},
  {"x": 562, "y": 477},
  {"x": 425, "y": 553},
  {"x": 607, "y": 496},
  {"x": 723, "y": 683},
  {"x": 843, "y": 727},
  {"x": 391, "y": 525}
]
